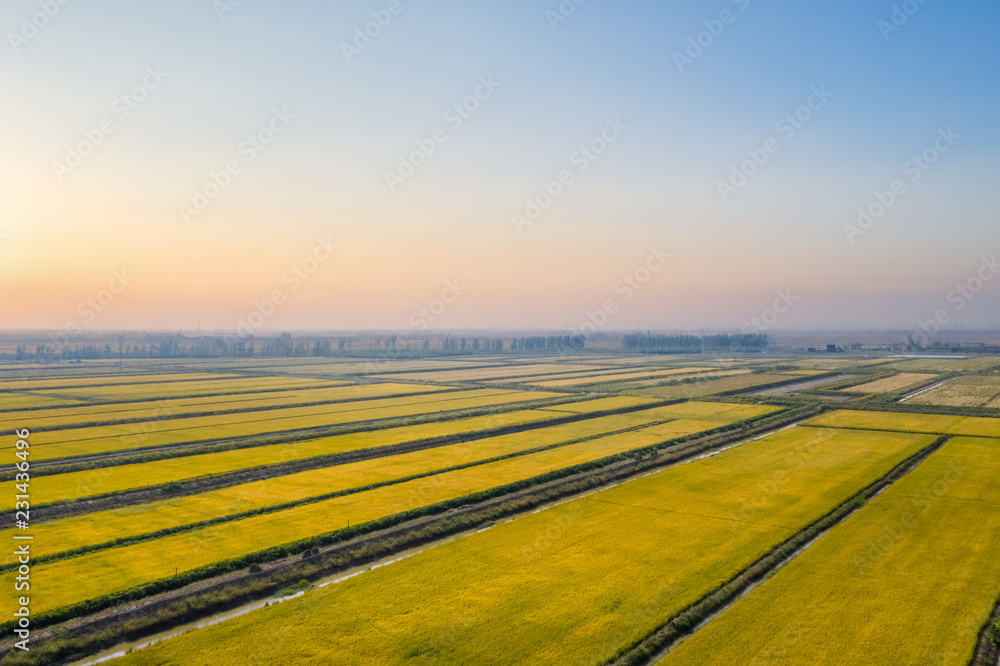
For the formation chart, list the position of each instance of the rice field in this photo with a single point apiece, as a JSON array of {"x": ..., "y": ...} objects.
[
  {"x": 971, "y": 364},
  {"x": 14, "y": 401},
  {"x": 974, "y": 426},
  {"x": 482, "y": 374},
  {"x": 892, "y": 384},
  {"x": 76, "y": 485},
  {"x": 171, "y": 407},
  {"x": 32, "y": 384},
  {"x": 69, "y": 581},
  {"x": 712, "y": 387},
  {"x": 909, "y": 579},
  {"x": 128, "y": 392},
  {"x": 136, "y": 436},
  {"x": 571, "y": 584},
  {"x": 968, "y": 391},
  {"x": 618, "y": 377}
]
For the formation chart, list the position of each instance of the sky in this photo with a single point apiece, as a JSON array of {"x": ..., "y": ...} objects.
[{"x": 532, "y": 164}]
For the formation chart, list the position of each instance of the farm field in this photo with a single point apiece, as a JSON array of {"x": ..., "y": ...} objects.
[
  {"x": 702, "y": 389},
  {"x": 974, "y": 426},
  {"x": 972, "y": 364},
  {"x": 95, "y": 528},
  {"x": 13, "y": 401},
  {"x": 968, "y": 391},
  {"x": 623, "y": 376},
  {"x": 187, "y": 389},
  {"x": 106, "y": 439},
  {"x": 482, "y": 374},
  {"x": 891, "y": 384},
  {"x": 105, "y": 380},
  {"x": 77, "y": 579},
  {"x": 515, "y": 589},
  {"x": 908, "y": 579},
  {"x": 172, "y": 407},
  {"x": 75, "y": 485}
]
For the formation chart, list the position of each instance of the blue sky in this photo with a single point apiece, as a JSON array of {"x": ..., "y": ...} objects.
[{"x": 656, "y": 185}]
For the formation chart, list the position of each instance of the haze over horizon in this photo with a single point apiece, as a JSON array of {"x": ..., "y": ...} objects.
[{"x": 200, "y": 161}]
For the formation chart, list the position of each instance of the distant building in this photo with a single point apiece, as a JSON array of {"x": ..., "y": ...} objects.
[{"x": 833, "y": 349}]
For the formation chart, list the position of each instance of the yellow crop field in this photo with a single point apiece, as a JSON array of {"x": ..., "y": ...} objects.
[
  {"x": 700, "y": 389},
  {"x": 179, "y": 406},
  {"x": 187, "y": 389},
  {"x": 12, "y": 401},
  {"x": 105, "y": 380},
  {"x": 600, "y": 404},
  {"x": 622, "y": 376},
  {"x": 77, "y": 579},
  {"x": 571, "y": 584},
  {"x": 908, "y": 580},
  {"x": 476, "y": 374},
  {"x": 102, "y": 439},
  {"x": 75, "y": 485},
  {"x": 890, "y": 384},
  {"x": 971, "y": 364},
  {"x": 968, "y": 391},
  {"x": 95, "y": 528},
  {"x": 974, "y": 426}
]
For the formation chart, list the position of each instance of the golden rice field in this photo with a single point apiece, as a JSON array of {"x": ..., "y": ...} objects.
[
  {"x": 909, "y": 579},
  {"x": 702, "y": 389},
  {"x": 137, "y": 436},
  {"x": 13, "y": 401},
  {"x": 968, "y": 391},
  {"x": 481, "y": 374},
  {"x": 972, "y": 364},
  {"x": 974, "y": 426},
  {"x": 571, "y": 584},
  {"x": 95, "y": 528},
  {"x": 891, "y": 384},
  {"x": 75, "y": 485},
  {"x": 65, "y": 582},
  {"x": 105, "y": 380},
  {"x": 187, "y": 389},
  {"x": 623, "y": 376},
  {"x": 170, "y": 407}
]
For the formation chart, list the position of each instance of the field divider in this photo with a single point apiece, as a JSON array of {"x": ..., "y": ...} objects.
[
  {"x": 987, "y": 651},
  {"x": 197, "y": 485},
  {"x": 221, "y": 585},
  {"x": 275, "y": 508},
  {"x": 695, "y": 616}
]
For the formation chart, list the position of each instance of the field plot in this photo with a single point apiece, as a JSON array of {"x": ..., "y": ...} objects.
[
  {"x": 974, "y": 426},
  {"x": 12, "y": 401},
  {"x": 968, "y": 391},
  {"x": 96, "y": 528},
  {"x": 898, "y": 382},
  {"x": 619, "y": 377},
  {"x": 909, "y": 579},
  {"x": 170, "y": 407},
  {"x": 701, "y": 389},
  {"x": 105, "y": 439},
  {"x": 75, "y": 485},
  {"x": 188, "y": 389},
  {"x": 37, "y": 384},
  {"x": 72, "y": 580},
  {"x": 481, "y": 374},
  {"x": 971, "y": 364},
  {"x": 571, "y": 584}
]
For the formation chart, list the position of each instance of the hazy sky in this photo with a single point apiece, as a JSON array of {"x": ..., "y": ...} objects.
[{"x": 120, "y": 119}]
